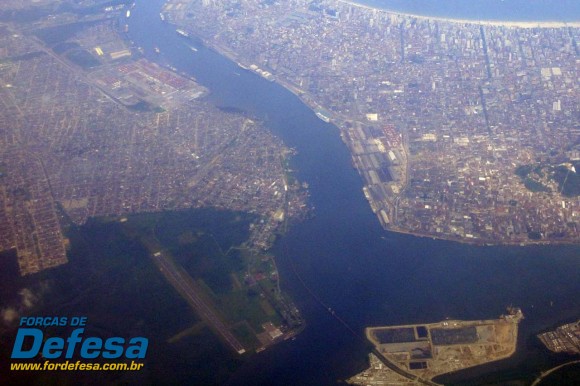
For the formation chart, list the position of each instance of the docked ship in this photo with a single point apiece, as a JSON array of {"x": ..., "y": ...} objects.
[
  {"x": 182, "y": 33},
  {"x": 323, "y": 115},
  {"x": 264, "y": 74}
]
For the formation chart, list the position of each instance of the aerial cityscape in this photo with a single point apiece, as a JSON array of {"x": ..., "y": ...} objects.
[
  {"x": 460, "y": 130},
  {"x": 135, "y": 130},
  {"x": 70, "y": 144}
]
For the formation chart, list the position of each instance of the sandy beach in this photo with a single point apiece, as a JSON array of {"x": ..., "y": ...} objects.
[{"x": 494, "y": 23}]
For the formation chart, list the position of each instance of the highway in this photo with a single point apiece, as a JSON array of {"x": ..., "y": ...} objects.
[
  {"x": 183, "y": 283},
  {"x": 548, "y": 372},
  {"x": 393, "y": 366}
]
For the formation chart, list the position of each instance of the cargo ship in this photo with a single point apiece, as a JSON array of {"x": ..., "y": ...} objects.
[
  {"x": 264, "y": 74},
  {"x": 182, "y": 33},
  {"x": 323, "y": 115}
]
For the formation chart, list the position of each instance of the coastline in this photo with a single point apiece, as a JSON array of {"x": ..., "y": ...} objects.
[
  {"x": 338, "y": 121},
  {"x": 500, "y": 345},
  {"x": 478, "y": 242},
  {"x": 489, "y": 23}
]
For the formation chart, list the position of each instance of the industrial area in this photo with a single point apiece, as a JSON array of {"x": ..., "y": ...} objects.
[{"x": 417, "y": 353}]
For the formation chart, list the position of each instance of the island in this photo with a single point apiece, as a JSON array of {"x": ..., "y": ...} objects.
[
  {"x": 460, "y": 130},
  {"x": 415, "y": 354}
]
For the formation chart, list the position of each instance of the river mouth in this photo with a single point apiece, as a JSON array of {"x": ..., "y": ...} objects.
[{"x": 366, "y": 275}]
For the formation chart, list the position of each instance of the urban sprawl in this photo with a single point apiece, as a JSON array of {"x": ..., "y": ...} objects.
[
  {"x": 461, "y": 130},
  {"x": 89, "y": 128}
]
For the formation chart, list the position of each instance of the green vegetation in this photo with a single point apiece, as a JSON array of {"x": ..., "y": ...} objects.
[
  {"x": 61, "y": 48},
  {"x": 82, "y": 58},
  {"x": 246, "y": 335},
  {"x": 523, "y": 170},
  {"x": 142, "y": 107},
  {"x": 112, "y": 279},
  {"x": 53, "y": 35},
  {"x": 531, "y": 176},
  {"x": 568, "y": 180},
  {"x": 208, "y": 244},
  {"x": 564, "y": 174},
  {"x": 535, "y": 186}
]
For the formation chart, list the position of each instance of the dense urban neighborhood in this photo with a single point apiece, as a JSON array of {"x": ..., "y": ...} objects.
[{"x": 461, "y": 130}]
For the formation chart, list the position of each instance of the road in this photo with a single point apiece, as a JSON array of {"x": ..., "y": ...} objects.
[
  {"x": 185, "y": 286},
  {"x": 548, "y": 372}
]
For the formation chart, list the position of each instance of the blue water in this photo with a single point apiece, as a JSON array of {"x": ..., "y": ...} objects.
[
  {"x": 343, "y": 258},
  {"x": 515, "y": 10}
]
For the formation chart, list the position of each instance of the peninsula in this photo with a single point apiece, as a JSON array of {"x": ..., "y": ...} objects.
[{"x": 460, "y": 130}]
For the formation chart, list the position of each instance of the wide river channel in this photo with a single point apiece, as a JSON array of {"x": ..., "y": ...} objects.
[{"x": 366, "y": 275}]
